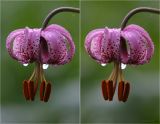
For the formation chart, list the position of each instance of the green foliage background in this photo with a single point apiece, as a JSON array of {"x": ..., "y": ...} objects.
[
  {"x": 63, "y": 106},
  {"x": 82, "y": 77},
  {"x": 143, "y": 103}
]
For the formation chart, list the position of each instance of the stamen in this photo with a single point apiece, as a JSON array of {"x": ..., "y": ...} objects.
[
  {"x": 112, "y": 75},
  {"x": 33, "y": 74},
  {"x": 120, "y": 90},
  {"x": 126, "y": 92},
  {"x": 115, "y": 77},
  {"x": 47, "y": 93},
  {"x": 104, "y": 90},
  {"x": 109, "y": 86},
  {"x": 31, "y": 90},
  {"x": 110, "y": 89},
  {"x": 25, "y": 90},
  {"x": 42, "y": 90}
]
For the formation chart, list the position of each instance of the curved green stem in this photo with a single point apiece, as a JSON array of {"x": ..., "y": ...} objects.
[
  {"x": 58, "y": 10},
  {"x": 138, "y": 10}
]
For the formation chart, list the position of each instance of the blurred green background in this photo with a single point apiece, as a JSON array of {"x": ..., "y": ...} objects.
[
  {"x": 63, "y": 106},
  {"x": 143, "y": 103}
]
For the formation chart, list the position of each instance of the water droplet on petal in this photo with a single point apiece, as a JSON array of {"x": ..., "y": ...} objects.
[
  {"x": 123, "y": 66},
  {"x": 26, "y": 64},
  {"x": 103, "y": 64},
  {"x": 45, "y": 66}
]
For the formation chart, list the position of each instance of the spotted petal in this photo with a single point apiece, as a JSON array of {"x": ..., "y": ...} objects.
[
  {"x": 22, "y": 44},
  {"x": 140, "y": 45},
  {"x": 93, "y": 43},
  {"x": 110, "y": 45},
  {"x": 11, "y": 38},
  {"x": 145, "y": 38},
  {"x": 103, "y": 44},
  {"x": 66, "y": 38}
]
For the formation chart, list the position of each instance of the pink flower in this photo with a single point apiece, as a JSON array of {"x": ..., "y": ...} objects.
[
  {"x": 132, "y": 45},
  {"x": 103, "y": 45},
  {"x": 140, "y": 46},
  {"x": 48, "y": 46},
  {"x": 53, "y": 45}
]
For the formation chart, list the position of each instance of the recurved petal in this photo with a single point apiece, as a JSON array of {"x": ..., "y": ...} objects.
[
  {"x": 22, "y": 44},
  {"x": 66, "y": 38},
  {"x": 11, "y": 38},
  {"x": 60, "y": 29},
  {"x": 95, "y": 47},
  {"x": 54, "y": 48},
  {"x": 20, "y": 49},
  {"x": 105, "y": 50},
  {"x": 110, "y": 45},
  {"x": 25, "y": 46},
  {"x": 145, "y": 39},
  {"x": 93, "y": 43},
  {"x": 115, "y": 38},
  {"x": 137, "y": 50},
  {"x": 103, "y": 44},
  {"x": 33, "y": 38}
]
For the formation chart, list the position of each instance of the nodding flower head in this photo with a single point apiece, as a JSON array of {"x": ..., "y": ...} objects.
[
  {"x": 136, "y": 45},
  {"x": 126, "y": 45},
  {"x": 51, "y": 44},
  {"x": 132, "y": 45},
  {"x": 48, "y": 46}
]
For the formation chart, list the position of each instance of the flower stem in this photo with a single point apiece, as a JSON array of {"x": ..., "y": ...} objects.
[
  {"x": 138, "y": 10},
  {"x": 56, "y": 11}
]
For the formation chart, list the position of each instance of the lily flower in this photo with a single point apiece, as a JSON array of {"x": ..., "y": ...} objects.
[
  {"x": 48, "y": 46},
  {"x": 51, "y": 44},
  {"x": 126, "y": 45},
  {"x": 104, "y": 46}
]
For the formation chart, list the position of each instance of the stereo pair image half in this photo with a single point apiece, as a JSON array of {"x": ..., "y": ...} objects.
[{"x": 53, "y": 45}]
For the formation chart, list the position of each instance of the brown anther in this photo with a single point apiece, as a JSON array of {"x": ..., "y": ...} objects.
[
  {"x": 25, "y": 90},
  {"x": 104, "y": 90},
  {"x": 42, "y": 90},
  {"x": 110, "y": 89},
  {"x": 31, "y": 90},
  {"x": 120, "y": 90},
  {"x": 126, "y": 92},
  {"x": 47, "y": 92}
]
